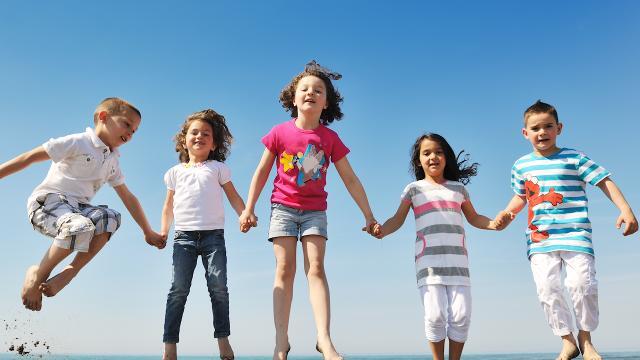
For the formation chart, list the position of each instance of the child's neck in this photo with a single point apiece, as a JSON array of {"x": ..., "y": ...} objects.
[
  {"x": 103, "y": 137},
  {"x": 196, "y": 160},
  {"x": 547, "y": 152},
  {"x": 438, "y": 180},
  {"x": 307, "y": 122}
]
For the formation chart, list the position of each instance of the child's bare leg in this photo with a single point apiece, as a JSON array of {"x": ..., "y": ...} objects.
[
  {"x": 313, "y": 247},
  {"x": 226, "y": 352},
  {"x": 36, "y": 274},
  {"x": 437, "y": 350},
  {"x": 53, "y": 285},
  {"x": 170, "y": 352},
  {"x": 569, "y": 348},
  {"x": 586, "y": 346},
  {"x": 455, "y": 350},
  {"x": 284, "y": 249}
]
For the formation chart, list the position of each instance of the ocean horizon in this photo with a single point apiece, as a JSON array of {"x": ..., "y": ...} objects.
[{"x": 519, "y": 356}]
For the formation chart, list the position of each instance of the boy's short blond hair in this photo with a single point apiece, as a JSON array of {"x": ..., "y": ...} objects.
[
  {"x": 114, "y": 105},
  {"x": 540, "y": 107}
]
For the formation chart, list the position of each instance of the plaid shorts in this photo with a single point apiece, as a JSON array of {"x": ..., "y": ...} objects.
[{"x": 72, "y": 225}]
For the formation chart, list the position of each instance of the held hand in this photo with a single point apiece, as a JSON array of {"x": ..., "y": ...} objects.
[
  {"x": 630, "y": 220},
  {"x": 502, "y": 220},
  {"x": 373, "y": 228},
  {"x": 154, "y": 239},
  {"x": 247, "y": 220}
]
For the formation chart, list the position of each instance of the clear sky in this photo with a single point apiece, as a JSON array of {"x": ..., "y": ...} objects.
[{"x": 464, "y": 70}]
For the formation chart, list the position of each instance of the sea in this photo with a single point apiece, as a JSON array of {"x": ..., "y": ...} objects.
[{"x": 529, "y": 356}]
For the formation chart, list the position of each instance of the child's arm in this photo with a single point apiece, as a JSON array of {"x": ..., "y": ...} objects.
[
  {"x": 248, "y": 218},
  {"x": 23, "y": 160},
  {"x": 236, "y": 202},
  {"x": 515, "y": 205},
  {"x": 167, "y": 214},
  {"x": 135, "y": 209},
  {"x": 355, "y": 188},
  {"x": 482, "y": 222},
  {"x": 395, "y": 222},
  {"x": 611, "y": 190}
]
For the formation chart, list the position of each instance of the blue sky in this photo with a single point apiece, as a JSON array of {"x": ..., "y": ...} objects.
[{"x": 464, "y": 70}]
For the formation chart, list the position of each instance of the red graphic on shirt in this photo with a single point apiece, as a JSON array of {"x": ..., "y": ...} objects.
[{"x": 534, "y": 198}]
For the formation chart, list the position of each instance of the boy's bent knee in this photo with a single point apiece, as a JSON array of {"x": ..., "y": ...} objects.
[{"x": 75, "y": 232}]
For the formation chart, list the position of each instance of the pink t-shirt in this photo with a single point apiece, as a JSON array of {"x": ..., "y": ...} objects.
[{"x": 302, "y": 160}]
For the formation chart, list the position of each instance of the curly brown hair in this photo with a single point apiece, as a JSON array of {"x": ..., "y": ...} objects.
[
  {"x": 221, "y": 135},
  {"x": 328, "y": 115}
]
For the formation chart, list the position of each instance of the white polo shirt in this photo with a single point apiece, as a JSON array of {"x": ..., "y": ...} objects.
[{"x": 81, "y": 163}]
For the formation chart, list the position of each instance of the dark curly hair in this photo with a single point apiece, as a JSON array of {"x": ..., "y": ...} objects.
[
  {"x": 455, "y": 169},
  {"x": 328, "y": 115},
  {"x": 221, "y": 135}
]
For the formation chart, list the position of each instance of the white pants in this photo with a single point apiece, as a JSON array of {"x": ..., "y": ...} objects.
[
  {"x": 580, "y": 282},
  {"x": 447, "y": 312}
]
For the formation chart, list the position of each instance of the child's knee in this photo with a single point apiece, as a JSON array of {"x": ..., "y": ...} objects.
[
  {"x": 435, "y": 324},
  {"x": 586, "y": 289},
  {"x": 435, "y": 330},
  {"x": 459, "y": 328},
  {"x": 75, "y": 232},
  {"x": 549, "y": 290},
  {"x": 285, "y": 270}
]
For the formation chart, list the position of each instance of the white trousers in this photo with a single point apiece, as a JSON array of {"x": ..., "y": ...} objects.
[
  {"x": 580, "y": 283},
  {"x": 447, "y": 312}
]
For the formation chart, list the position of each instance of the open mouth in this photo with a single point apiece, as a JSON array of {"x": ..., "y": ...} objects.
[{"x": 124, "y": 140}]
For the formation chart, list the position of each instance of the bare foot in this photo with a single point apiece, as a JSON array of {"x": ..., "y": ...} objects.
[
  {"x": 590, "y": 353},
  {"x": 226, "y": 352},
  {"x": 328, "y": 351},
  {"x": 586, "y": 347},
  {"x": 52, "y": 286},
  {"x": 569, "y": 350},
  {"x": 31, "y": 295},
  {"x": 281, "y": 354},
  {"x": 170, "y": 352}
]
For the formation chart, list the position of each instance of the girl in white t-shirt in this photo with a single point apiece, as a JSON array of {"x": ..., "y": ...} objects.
[
  {"x": 439, "y": 199},
  {"x": 194, "y": 202}
]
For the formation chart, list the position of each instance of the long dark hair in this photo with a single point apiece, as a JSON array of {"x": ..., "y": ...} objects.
[{"x": 457, "y": 167}]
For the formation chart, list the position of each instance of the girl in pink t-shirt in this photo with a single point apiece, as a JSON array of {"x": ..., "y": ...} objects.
[{"x": 303, "y": 148}]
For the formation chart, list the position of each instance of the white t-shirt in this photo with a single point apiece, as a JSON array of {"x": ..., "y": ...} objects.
[
  {"x": 81, "y": 164},
  {"x": 197, "y": 199}
]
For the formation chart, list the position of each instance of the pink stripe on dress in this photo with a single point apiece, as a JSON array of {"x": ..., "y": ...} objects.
[{"x": 438, "y": 204}]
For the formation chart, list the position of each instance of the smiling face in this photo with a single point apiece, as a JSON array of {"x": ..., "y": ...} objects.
[
  {"x": 432, "y": 160},
  {"x": 199, "y": 141},
  {"x": 542, "y": 129},
  {"x": 311, "y": 96},
  {"x": 117, "y": 128}
]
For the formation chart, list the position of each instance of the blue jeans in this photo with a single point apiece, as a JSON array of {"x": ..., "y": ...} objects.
[{"x": 187, "y": 246}]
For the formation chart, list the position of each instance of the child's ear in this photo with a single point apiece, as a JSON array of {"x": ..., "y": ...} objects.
[
  {"x": 102, "y": 115},
  {"x": 559, "y": 128},
  {"x": 524, "y": 132}
]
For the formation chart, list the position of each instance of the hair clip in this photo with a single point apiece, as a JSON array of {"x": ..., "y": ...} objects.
[{"x": 314, "y": 66}]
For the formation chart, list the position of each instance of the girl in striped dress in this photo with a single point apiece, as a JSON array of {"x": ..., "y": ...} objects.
[{"x": 439, "y": 200}]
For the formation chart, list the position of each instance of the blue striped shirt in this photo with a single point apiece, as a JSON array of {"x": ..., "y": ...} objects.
[{"x": 557, "y": 202}]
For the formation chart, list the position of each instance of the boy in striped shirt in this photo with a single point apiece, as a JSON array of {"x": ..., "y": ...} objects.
[{"x": 552, "y": 181}]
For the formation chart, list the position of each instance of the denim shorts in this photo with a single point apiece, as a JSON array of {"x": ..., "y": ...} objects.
[{"x": 287, "y": 221}]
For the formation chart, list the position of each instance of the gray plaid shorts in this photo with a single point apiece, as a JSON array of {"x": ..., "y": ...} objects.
[{"x": 72, "y": 225}]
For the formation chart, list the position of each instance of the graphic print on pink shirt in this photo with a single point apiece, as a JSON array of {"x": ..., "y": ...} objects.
[{"x": 309, "y": 164}]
